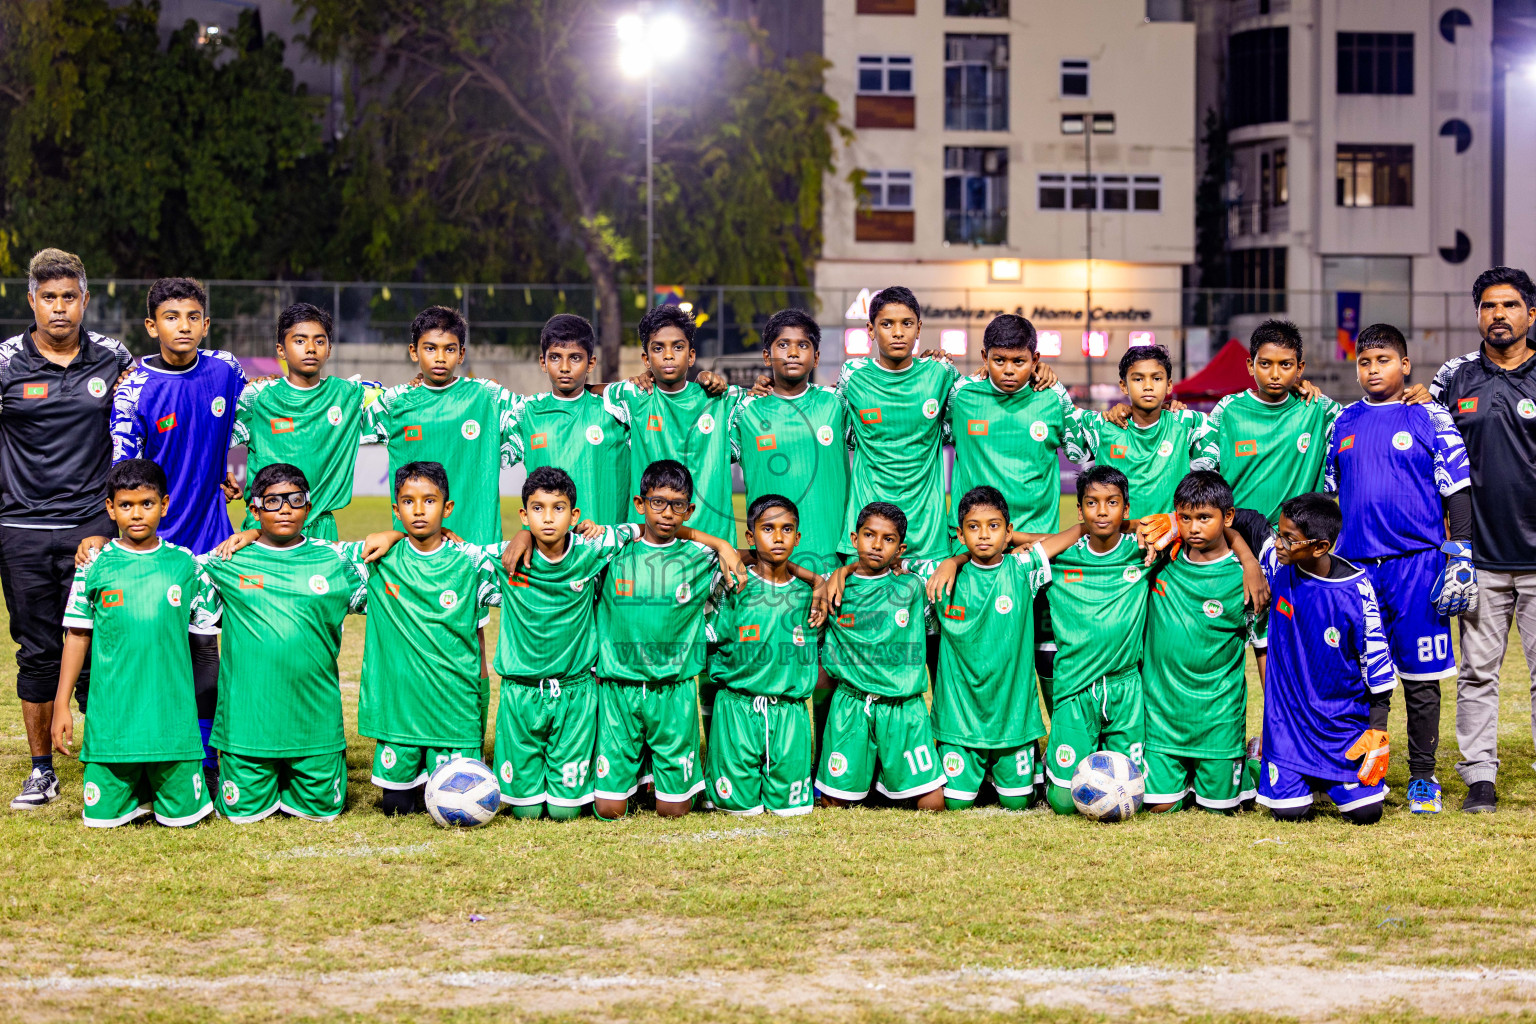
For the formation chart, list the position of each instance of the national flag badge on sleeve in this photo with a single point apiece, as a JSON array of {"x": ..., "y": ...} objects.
[
  {"x": 1285, "y": 608},
  {"x": 1247, "y": 448},
  {"x": 111, "y": 598},
  {"x": 166, "y": 422},
  {"x": 1348, "y": 443},
  {"x": 1464, "y": 405}
]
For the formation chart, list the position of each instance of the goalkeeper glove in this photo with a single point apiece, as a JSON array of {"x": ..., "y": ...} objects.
[
  {"x": 1372, "y": 749},
  {"x": 1455, "y": 591},
  {"x": 1158, "y": 532}
]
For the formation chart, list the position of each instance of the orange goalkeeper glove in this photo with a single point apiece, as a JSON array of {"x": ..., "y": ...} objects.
[
  {"x": 1156, "y": 533},
  {"x": 1372, "y": 749}
]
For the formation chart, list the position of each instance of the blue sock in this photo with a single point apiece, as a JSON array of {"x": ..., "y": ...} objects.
[
  {"x": 43, "y": 761},
  {"x": 210, "y": 759}
]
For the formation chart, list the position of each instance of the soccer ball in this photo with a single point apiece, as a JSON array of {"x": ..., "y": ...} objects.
[
  {"x": 462, "y": 792},
  {"x": 1107, "y": 787}
]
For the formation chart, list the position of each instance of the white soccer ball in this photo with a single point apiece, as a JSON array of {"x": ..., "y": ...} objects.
[
  {"x": 462, "y": 793},
  {"x": 1107, "y": 787}
]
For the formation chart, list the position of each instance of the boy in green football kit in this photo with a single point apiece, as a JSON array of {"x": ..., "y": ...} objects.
[
  {"x": 897, "y": 404},
  {"x": 546, "y": 719},
  {"x": 651, "y": 648},
  {"x": 1192, "y": 673},
  {"x": 763, "y": 653},
  {"x": 129, "y": 611},
  {"x": 875, "y": 648},
  {"x": 283, "y": 596},
  {"x": 422, "y": 697},
  {"x": 463, "y": 424},
  {"x": 680, "y": 420},
  {"x": 570, "y": 428},
  {"x": 307, "y": 419}
]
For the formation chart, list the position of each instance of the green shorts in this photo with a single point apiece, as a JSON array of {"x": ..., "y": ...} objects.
[
  {"x": 118, "y": 793},
  {"x": 545, "y": 737},
  {"x": 1217, "y": 781},
  {"x": 1011, "y": 770},
  {"x": 662, "y": 718},
  {"x": 316, "y": 527},
  {"x": 760, "y": 755},
  {"x": 252, "y": 788},
  {"x": 1109, "y": 715},
  {"x": 865, "y": 732},
  {"x": 402, "y": 766}
]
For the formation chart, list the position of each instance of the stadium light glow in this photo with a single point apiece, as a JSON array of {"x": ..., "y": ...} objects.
[
  {"x": 856, "y": 341},
  {"x": 645, "y": 42},
  {"x": 1048, "y": 343},
  {"x": 952, "y": 341},
  {"x": 1530, "y": 72}
]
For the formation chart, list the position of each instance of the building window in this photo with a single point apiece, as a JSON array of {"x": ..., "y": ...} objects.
[
  {"x": 1374, "y": 176},
  {"x": 886, "y": 7},
  {"x": 1074, "y": 78},
  {"x": 1259, "y": 274},
  {"x": 1259, "y": 77},
  {"x": 976, "y": 8},
  {"x": 1375, "y": 63},
  {"x": 888, "y": 75},
  {"x": 888, "y": 190},
  {"x": 1139, "y": 193},
  {"x": 976, "y": 83},
  {"x": 1274, "y": 181},
  {"x": 976, "y": 195}
]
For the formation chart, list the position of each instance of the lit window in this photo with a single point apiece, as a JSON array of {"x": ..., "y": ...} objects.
[
  {"x": 883, "y": 74},
  {"x": 1074, "y": 78},
  {"x": 1374, "y": 176},
  {"x": 1048, "y": 343}
]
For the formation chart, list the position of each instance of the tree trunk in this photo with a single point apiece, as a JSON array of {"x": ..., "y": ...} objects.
[{"x": 610, "y": 319}]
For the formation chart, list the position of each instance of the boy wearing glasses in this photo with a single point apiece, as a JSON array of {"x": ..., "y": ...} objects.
[{"x": 278, "y": 727}]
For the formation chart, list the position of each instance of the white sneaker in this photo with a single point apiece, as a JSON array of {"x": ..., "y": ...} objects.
[{"x": 40, "y": 789}]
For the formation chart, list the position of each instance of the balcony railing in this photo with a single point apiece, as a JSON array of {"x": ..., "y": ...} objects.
[
  {"x": 976, "y": 115},
  {"x": 1249, "y": 220},
  {"x": 976, "y": 227}
]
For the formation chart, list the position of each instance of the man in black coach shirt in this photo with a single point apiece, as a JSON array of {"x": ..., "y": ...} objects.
[{"x": 56, "y": 384}]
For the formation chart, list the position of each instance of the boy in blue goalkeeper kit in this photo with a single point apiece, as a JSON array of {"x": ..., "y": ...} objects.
[
  {"x": 1328, "y": 682},
  {"x": 1401, "y": 472}
]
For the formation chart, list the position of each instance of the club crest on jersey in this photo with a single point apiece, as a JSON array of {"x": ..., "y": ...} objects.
[
  {"x": 602, "y": 766},
  {"x": 594, "y": 434},
  {"x": 1212, "y": 608},
  {"x": 576, "y": 585},
  {"x": 1331, "y": 636},
  {"x": 1526, "y": 408},
  {"x": 448, "y": 599},
  {"x": 683, "y": 593},
  {"x": 837, "y": 764},
  {"x": 1402, "y": 440},
  {"x": 1244, "y": 448},
  {"x": 824, "y": 434},
  {"x": 319, "y": 584},
  {"x": 1274, "y": 774},
  {"x": 1003, "y": 605},
  {"x": 901, "y": 617},
  {"x": 219, "y": 405},
  {"x": 976, "y": 428},
  {"x": 230, "y": 791},
  {"x": 92, "y": 794},
  {"x": 797, "y": 636},
  {"x": 723, "y": 787},
  {"x": 706, "y": 423},
  {"x": 173, "y": 595},
  {"x": 387, "y": 757},
  {"x": 1285, "y": 608},
  {"x": 96, "y": 386},
  {"x": 166, "y": 422},
  {"x": 931, "y": 408},
  {"x": 1165, "y": 449},
  {"x": 506, "y": 771},
  {"x": 1467, "y": 405},
  {"x": 1065, "y": 756},
  {"x": 470, "y": 429},
  {"x": 1038, "y": 430},
  {"x": 954, "y": 764},
  {"x": 1303, "y": 443},
  {"x": 1348, "y": 443},
  {"x": 1131, "y": 574},
  {"x": 333, "y": 415}
]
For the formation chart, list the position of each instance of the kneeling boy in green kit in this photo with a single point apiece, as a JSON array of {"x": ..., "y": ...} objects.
[{"x": 130, "y": 610}]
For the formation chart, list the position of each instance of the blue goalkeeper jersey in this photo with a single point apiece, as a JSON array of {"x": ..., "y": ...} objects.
[
  {"x": 1327, "y": 655},
  {"x": 181, "y": 420},
  {"x": 1391, "y": 464}
]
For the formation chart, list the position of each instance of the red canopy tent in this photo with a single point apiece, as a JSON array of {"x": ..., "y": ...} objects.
[{"x": 1225, "y": 374}]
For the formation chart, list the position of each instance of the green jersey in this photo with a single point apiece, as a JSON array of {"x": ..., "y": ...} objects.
[
  {"x": 1098, "y": 613},
  {"x": 279, "y": 694},
  {"x": 985, "y": 695},
  {"x": 1010, "y": 442},
  {"x": 549, "y": 610},
  {"x": 139, "y": 607},
  {"x": 421, "y": 680},
  {"x": 1268, "y": 452},
  {"x": 317, "y": 429},
  {"x": 581, "y": 436},
  {"x": 466, "y": 425},
  {"x": 1154, "y": 459},
  {"x": 691, "y": 427},
  {"x": 760, "y": 643},
  {"x": 898, "y": 428},
  {"x": 650, "y": 617},
  {"x": 798, "y": 447},
  {"x": 878, "y": 643},
  {"x": 1195, "y": 692}
]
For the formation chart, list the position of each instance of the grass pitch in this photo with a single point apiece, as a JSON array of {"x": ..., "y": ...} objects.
[{"x": 866, "y": 915}]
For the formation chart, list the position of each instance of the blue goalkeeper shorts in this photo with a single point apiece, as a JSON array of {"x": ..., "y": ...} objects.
[
  {"x": 1419, "y": 636},
  {"x": 1283, "y": 789}
]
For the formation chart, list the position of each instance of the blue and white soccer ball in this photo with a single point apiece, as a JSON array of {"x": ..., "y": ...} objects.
[
  {"x": 1108, "y": 787},
  {"x": 462, "y": 793}
]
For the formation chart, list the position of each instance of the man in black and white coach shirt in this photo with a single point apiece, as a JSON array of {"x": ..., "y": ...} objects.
[
  {"x": 56, "y": 384},
  {"x": 1491, "y": 396}
]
